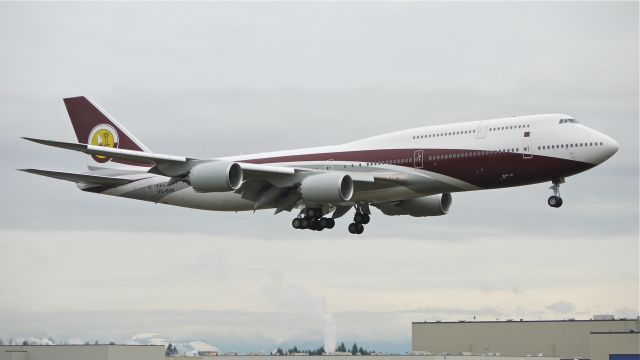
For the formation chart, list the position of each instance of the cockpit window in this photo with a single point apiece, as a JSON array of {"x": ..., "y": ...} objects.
[{"x": 568, "y": 120}]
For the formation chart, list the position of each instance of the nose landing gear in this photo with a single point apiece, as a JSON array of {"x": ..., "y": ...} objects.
[{"x": 555, "y": 200}]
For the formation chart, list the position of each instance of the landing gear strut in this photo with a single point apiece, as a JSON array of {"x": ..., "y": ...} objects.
[
  {"x": 360, "y": 219},
  {"x": 311, "y": 218},
  {"x": 555, "y": 200}
]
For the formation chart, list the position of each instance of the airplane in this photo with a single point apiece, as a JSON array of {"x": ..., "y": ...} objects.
[{"x": 410, "y": 172}]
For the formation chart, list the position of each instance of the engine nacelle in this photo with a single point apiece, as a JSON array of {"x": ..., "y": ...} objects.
[
  {"x": 434, "y": 205},
  {"x": 216, "y": 176},
  {"x": 327, "y": 188}
]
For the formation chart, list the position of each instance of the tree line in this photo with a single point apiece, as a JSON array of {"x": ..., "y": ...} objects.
[{"x": 355, "y": 350}]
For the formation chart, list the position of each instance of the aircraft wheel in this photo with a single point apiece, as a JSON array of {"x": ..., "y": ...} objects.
[
  {"x": 554, "y": 201},
  {"x": 332, "y": 223},
  {"x": 353, "y": 228},
  {"x": 326, "y": 223},
  {"x": 313, "y": 212},
  {"x": 366, "y": 218},
  {"x": 358, "y": 218},
  {"x": 297, "y": 223},
  {"x": 360, "y": 229},
  {"x": 305, "y": 222},
  {"x": 316, "y": 225}
]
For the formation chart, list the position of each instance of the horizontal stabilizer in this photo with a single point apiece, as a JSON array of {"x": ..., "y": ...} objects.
[
  {"x": 133, "y": 155},
  {"x": 167, "y": 165},
  {"x": 80, "y": 178},
  {"x": 59, "y": 144}
]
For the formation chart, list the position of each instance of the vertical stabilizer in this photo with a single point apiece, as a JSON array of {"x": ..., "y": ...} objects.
[{"x": 95, "y": 127}]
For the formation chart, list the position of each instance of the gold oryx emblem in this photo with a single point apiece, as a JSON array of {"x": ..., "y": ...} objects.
[{"x": 103, "y": 135}]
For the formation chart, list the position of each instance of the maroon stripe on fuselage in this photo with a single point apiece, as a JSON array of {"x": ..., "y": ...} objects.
[{"x": 484, "y": 169}]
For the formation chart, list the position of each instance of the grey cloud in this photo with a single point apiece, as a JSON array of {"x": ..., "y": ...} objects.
[
  {"x": 212, "y": 79},
  {"x": 627, "y": 313},
  {"x": 562, "y": 307}
]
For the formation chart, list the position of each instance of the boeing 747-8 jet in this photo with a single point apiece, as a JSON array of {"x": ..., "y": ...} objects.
[{"x": 409, "y": 172}]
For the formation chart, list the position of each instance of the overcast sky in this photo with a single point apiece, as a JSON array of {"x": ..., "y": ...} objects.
[{"x": 214, "y": 79}]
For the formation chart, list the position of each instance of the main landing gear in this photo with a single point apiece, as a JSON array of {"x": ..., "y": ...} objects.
[
  {"x": 359, "y": 220},
  {"x": 311, "y": 218},
  {"x": 555, "y": 200}
]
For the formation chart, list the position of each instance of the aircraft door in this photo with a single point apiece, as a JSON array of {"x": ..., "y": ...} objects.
[
  {"x": 417, "y": 159},
  {"x": 481, "y": 131},
  {"x": 526, "y": 148},
  {"x": 329, "y": 164}
]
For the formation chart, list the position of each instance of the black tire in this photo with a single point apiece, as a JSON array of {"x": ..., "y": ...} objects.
[
  {"x": 358, "y": 218},
  {"x": 296, "y": 223},
  {"x": 553, "y": 201},
  {"x": 353, "y": 228},
  {"x": 559, "y": 202},
  {"x": 360, "y": 229},
  {"x": 366, "y": 218},
  {"x": 316, "y": 225},
  {"x": 325, "y": 223},
  {"x": 332, "y": 223},
  {"x": 315, "y": 213},
  {"x": 305, "y": 222}
]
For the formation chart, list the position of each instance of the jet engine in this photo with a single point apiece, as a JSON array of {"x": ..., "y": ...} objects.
[
  {"x": 327, "y": 188},
  {"x": 434, "y": 205},
  {"x": 216, "y": 176}
]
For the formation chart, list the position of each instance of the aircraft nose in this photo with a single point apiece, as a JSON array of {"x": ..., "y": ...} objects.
[{"x": 610, "y": 147}]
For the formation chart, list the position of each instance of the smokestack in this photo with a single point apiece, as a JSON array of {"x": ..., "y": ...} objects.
[{"x": 329, "y": 332}]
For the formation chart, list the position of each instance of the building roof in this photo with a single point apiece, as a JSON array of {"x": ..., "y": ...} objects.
[{"x": 514, "y": 321}]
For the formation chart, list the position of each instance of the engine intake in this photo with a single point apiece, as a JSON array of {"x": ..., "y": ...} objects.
[
  {"x": 434, "y": 205},
  {"x": 217, "y": 176},
  {"x": 327, "y": 188}
]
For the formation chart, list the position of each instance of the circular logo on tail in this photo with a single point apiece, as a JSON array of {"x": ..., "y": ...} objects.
[{"x": 103, "y": 135}]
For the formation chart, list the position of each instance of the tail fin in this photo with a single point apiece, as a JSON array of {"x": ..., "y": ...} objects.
[{"x": 94, "y": 126}]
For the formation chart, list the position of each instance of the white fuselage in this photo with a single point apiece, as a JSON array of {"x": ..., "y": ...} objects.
[{"x": 476, "y": 155}]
